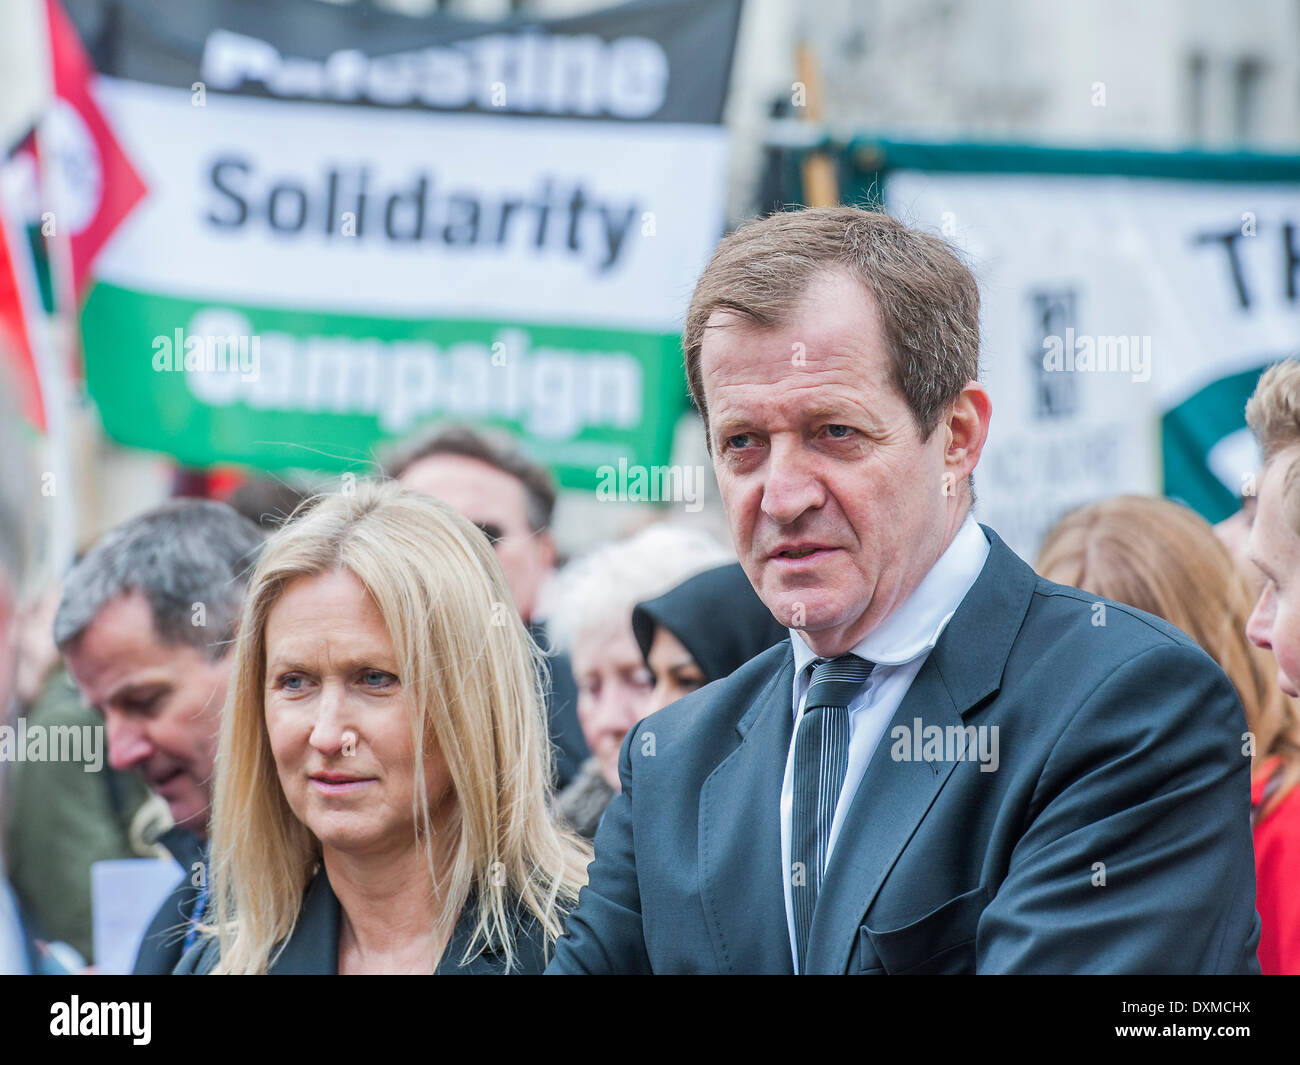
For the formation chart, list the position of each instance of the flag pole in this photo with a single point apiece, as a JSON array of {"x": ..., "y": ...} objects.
[
  {"x": 820, "y": 184},
  {"x": 55, "y": 355},
  {"x": 59, "y": 490}
]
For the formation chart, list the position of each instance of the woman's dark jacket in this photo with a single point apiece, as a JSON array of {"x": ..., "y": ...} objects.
[{"x": 313, "y": 946}]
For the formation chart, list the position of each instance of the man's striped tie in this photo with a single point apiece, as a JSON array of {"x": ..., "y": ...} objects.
[{"x": 821, "y": 759}]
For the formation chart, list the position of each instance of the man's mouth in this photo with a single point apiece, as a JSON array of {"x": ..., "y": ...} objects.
[
  {"x": 800, "y": 551},
  {"x": 163, "y": 781}
]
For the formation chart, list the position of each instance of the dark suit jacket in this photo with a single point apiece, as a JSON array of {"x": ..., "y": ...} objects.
[
  {"x": 313, "y": 947},
  {"x": 1114, "y": 835},
  {"x": 164, "y": 940}
]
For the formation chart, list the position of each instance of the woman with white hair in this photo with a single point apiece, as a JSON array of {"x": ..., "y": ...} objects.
[
  {"x": 382, "y": 773},
  {"x": 590, "y": 619}
]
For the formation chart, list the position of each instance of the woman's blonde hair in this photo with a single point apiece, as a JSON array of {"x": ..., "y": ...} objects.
[
  {"x": 1163, "y": 558},
  {"x": 472, "y": 679}
]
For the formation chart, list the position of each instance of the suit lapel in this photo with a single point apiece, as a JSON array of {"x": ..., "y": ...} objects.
[
  {"x": 740, "y": 837},
  {"x": 963, "y": 670},
  {"x": 890, "y": 802}
]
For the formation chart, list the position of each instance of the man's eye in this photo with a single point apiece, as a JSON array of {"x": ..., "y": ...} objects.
[
  {"x": 739, "y": 441},
  {"x": 839, "y": 431}
]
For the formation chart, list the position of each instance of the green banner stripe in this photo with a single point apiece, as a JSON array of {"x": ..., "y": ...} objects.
[{"x": 288, "y": 388}]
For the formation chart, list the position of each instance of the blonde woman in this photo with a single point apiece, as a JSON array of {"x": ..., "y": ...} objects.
[
  {"x": 1163, "y": 558},
  {"x": 381, "y": 791}
]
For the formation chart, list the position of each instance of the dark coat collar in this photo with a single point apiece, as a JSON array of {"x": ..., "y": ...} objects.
[
  {"x": 963, "y": 670},
  {"x": 183, "y": 845},
  {"x": 313, "y": 946},
  {"x": 972, "y": 653}
]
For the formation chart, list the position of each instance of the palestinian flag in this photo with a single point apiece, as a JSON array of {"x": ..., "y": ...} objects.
[{"x": 95, "y": 185}]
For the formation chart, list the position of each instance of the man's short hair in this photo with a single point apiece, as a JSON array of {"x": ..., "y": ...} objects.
[
  {"x": 1273, "y": 414},
  {"x": 496, "y": 450},
  {"x": 927, "y": 299},
  {"x": 182, "y": 553}
]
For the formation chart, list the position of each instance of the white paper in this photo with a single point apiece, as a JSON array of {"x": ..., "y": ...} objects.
[{"x": 125, "y": 894}]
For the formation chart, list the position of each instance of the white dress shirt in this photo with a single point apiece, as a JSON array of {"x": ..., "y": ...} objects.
[{"x": 899, "y": 646}]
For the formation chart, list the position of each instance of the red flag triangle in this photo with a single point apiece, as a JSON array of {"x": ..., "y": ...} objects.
[
  {"x": 16, "y": 343},
  {"x": 100, "y": 185}
]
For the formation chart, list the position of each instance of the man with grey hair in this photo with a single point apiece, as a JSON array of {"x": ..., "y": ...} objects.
[{"x": 147, "y": 622}]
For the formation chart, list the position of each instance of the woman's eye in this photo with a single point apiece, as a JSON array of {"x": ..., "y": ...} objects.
[
  {"x": 377, "y": 678},
  {"x": 290, "y": 682}
]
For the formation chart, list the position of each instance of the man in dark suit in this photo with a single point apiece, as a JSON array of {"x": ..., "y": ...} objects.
[{"x": 953, "y": 766}]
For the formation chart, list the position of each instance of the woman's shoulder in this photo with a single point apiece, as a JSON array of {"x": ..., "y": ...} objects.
[{"x": 200, "y": 959}]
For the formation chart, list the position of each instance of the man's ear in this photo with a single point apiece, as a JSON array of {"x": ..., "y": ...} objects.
[{"x": 966, "y": 429}]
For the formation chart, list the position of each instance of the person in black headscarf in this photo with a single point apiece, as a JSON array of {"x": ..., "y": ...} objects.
[{"x": 701, "y": 631}]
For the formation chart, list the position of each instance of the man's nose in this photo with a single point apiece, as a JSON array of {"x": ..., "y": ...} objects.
[
  {"x": 128, "y": 741},
  {"x": 1259, "y": 626},
  {"x": 791, "y": 485}
]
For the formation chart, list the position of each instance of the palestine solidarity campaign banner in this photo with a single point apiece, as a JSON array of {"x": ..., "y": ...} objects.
[{"x": 356, "y": 222}]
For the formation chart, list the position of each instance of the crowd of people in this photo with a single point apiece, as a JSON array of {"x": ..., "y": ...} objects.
[{"x": 383, "y": 730}]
